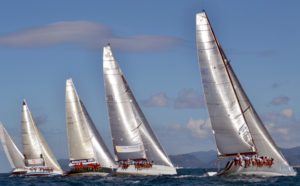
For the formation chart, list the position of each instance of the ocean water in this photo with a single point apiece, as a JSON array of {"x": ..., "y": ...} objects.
[{"x": 185, "y": 177}]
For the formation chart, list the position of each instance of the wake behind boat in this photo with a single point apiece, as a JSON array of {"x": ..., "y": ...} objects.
[
  {"x": 137, "y": 149},
  {"x": 88, "y": 154},
  {"x": 238, "y": 130}
]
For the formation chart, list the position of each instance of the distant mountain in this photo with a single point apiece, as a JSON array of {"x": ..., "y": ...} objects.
[
  {"x": 208, "y": 159},
  {"x": 205, "y": 159},
  {"x": 292, "y": 155}
]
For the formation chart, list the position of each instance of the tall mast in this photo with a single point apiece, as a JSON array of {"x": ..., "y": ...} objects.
[{"x": 132, "y": 134}]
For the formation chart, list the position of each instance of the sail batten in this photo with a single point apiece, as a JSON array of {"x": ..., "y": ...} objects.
[{"x": 132, "y": 135}]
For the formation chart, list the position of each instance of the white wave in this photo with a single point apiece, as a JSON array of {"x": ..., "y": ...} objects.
[{"x": 191, "y": 176}]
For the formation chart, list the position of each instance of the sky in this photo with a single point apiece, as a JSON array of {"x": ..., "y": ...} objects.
[{"x": 43, "y": 43}]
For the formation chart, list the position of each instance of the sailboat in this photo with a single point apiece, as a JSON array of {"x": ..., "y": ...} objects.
[
  {"x": 13, "y": 154},
  {"x": 238, "y": 130},
  {"x": 87, "y": 152},
  {"x": 137, "y": 150},
  {"x": 38, "y": 158}
]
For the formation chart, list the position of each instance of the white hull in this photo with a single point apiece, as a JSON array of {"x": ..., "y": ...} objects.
[
  {"x": 153, "y": 171},
  {"x": 257, "y": 171},
  {"x": 28, "y": 172},
  {"x": 103, "y": 174}
]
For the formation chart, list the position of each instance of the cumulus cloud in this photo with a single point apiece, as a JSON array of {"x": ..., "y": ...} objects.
[
  {"x": 280, "y": 100},
  {"x": 283, "y": 126},
  {"x": 199, "y": 128},
  {"x": 84, "y": 33},
  {"x": 279, "y": 132},
  {"x": 287, "y": 113},
  {"x": 189, "y": 98},
  {"x": 181, "y": 138},
  {"x": 186, "y": 99},
  {"x": 158, "y": 100}
]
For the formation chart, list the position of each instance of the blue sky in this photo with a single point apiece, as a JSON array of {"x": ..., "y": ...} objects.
[{"x": 42, "y": 43}]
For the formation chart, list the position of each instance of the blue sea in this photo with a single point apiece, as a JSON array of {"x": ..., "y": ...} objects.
[{"x": 184, "y": 177}]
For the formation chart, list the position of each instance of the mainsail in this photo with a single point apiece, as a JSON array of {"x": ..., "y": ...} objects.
[
  {"x": 36, "y": 150},
  {"x": 132, "y": 135},
  {"x": 83, "y": 138},
  {"x": 14, "y": 156},
  {"x": 227, "y": 117},
  {"x": 235, "y": 123}
]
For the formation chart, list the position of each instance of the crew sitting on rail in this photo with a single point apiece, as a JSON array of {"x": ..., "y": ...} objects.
[
  {"x": 138, "y": 164},
  {"x": 238, "y": 160},
  {"x": 87, "y": 167},
  {"x": 246, "y": 161}
]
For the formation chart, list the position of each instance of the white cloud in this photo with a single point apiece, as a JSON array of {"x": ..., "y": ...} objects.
[
  {"x": 199, "y": 128},
  {"x": 280, "y": 100},
  {"x": 287, "y": 113},
  {"x": 84, "y": 33},
  {"x": 190, "y": 136},
  {"x": 157, "y": 100},
  {"x": 283, "y": 127},
  {"x": 189, "y": 98},
  {"x": 278, "y": 132}
]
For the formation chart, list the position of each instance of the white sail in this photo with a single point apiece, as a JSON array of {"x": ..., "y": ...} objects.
[
  {"x": 31, "y": 145},
  {"x": 35, "y": 147},
  {"x": 227, "y": 103},
  {"x": 228, "y": 122},
  {"x": 133, "y": 137},
  {"x": 14, "y": 156},
  {"x": 83, "y": 138}
]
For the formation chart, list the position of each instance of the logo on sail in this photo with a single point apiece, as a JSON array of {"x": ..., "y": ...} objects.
[{"x": 126, "y": 149}]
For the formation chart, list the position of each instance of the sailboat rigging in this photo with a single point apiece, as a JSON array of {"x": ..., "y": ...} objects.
[
  {"x": 237, "y": 128},
  {"x": 87, "y": 152},
  {"x": 137, "y": 149},
  {"x": 37, "y": 158}
]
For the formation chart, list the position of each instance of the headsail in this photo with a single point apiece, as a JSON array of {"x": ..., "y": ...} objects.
[
  {"x": 15, "y": 157},
  {"x": 133, "y": 137},
  {"x": 83, "y": 138},
  {"x": 223, "y": 92},
  {"x": 31, "y": 145},
  {"x": 34, "y": 144},
  {"x": 227, "y": 118}
]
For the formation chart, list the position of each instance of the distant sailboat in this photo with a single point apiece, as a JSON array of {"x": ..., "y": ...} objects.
[
  {"x": 87, "y": 152},
  {"x": 39, "y": 159},
  {"x": 13, "y": 154},
  {"x": 137, "y": 149},
  {"x": 238, "y": 130}
]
